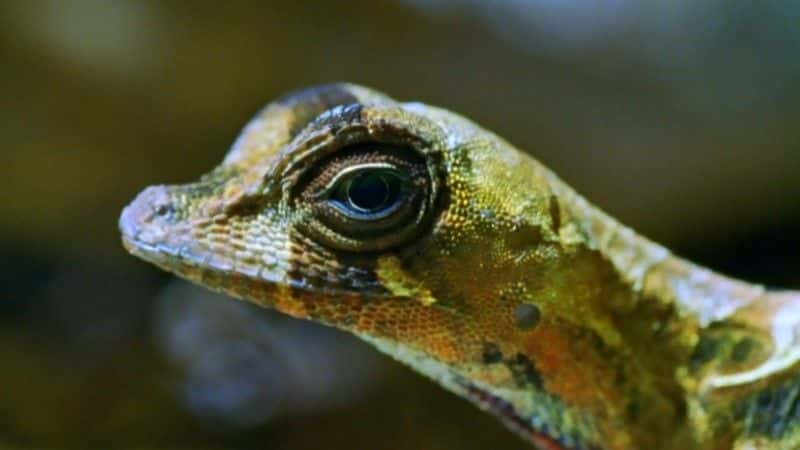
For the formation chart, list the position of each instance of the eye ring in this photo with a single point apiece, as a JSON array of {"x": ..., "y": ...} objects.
[
  {"x": 368, "y": 197},
  {"x": 367, "y": 192}
]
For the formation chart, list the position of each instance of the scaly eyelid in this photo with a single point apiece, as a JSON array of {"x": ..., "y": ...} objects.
[{"x": 330, "y": 187}]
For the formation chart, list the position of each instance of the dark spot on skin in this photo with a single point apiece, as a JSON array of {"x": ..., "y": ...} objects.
[
  {"x": 706, "y": 349},
  {"x": 522, "y": 368},
  {"x": 742, "y": 350},
  {"x": 247, "y": 206},
  {"x": 633, "y": 407},
  {"x": 620, "y": 377},
  {"x": 527, "y": 316},
  {"x": 491, "y": 354},
  {"x": 555, "y": 214},
  {"x": 524, "y": 371},
  {"x": 597, "y": 342},
  {"x": 524, "y": 238}
]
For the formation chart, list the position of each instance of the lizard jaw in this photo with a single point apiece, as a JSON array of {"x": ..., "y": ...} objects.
[
  {"x": 533, "y": 429},
  {"x": 154, "y": 229},
  {"x": 540, "y": 436}
]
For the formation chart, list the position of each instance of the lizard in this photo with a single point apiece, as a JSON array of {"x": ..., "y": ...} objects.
[{"x": 449, "y": 249}]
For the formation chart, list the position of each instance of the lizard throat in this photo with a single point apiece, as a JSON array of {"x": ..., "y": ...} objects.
[
  {"x": 545, "y": 433},
  {"x": 542, "y": 436}
]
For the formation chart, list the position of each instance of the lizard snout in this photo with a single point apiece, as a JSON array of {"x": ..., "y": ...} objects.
[{"x": 145, "y": 220}]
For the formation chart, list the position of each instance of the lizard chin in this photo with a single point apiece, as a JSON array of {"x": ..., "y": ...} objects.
[{"x": 541, "y": 435}]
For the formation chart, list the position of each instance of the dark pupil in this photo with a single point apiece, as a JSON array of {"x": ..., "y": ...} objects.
[{"x": 371, "y": 191}]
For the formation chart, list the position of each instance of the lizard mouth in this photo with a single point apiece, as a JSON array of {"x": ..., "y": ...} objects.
[
  {"x": 160, "y": 256},
  {"x": 164, "y": 250},
  {"x": 541, "y": 435}
]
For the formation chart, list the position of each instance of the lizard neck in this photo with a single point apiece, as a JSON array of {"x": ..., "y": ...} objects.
[
  {"x": 699, "y": 296},
  {"x": 724, "y": 342}
]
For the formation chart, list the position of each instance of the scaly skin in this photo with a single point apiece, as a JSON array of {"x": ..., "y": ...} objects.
[{"x": 489, "y": 275}]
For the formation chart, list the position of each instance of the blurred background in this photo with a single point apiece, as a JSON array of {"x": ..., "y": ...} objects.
[{"x": 680, "y": 118}]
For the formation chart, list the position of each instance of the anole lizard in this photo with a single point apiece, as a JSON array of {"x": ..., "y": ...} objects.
[{"x": 452, "y": 251}]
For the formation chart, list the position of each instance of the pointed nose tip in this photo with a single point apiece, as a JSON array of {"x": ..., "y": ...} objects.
[
  {"x": 144, "y": 212},
  {"x": 128, "y": 226}
]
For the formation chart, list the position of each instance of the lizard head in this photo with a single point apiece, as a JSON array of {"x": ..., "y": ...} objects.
[{"x": 414, "y": 229}]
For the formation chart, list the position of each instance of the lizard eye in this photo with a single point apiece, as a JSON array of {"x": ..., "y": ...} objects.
[
  {"x": 369, "y": 192},
  {"x": 366, "y": 198}
]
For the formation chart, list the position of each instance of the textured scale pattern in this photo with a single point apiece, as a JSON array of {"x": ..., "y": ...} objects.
[{"x": 492, "y": 277}]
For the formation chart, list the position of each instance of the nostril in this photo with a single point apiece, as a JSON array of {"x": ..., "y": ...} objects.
[
  {"x": 156, "y": 202},
  {"x": 152, "y": 209}
]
